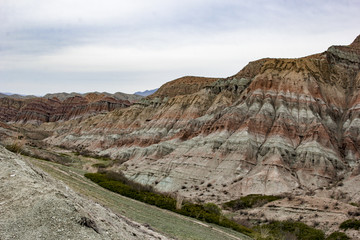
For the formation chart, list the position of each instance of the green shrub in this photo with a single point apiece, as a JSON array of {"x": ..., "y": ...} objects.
[
  {"x": 249, "y": 201},
  {"x": 96, "y": 177},
  {"x": 338, "y": 236},
  {"x": 119, "y": 176},
  {"x": 212, "y": 208},
  {"x": 116, "y": 176},
  {"x": 99, "y": 165},
  {"x": 354, "y": 204},
  {"x": 299, "y": 229},
  {"x": 350, "y": 223},
  {"x": 115, "y": 183},
  {"x": 86, "y": 153},
  {"x": 225, "y": 222}
]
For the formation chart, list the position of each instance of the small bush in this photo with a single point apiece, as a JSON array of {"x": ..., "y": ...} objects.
[
  {"x": 99, "y": 165},
  {"x": 15, "y": 147},
  {"x": 338, "y": 236},
  {"x": 302, "y": 231},
  {"x": 96, "y": 177},
  {"x": 350, "y": 224},
  {"x": 86, "y": 153},
  {"x": 212, "y": 208},
  {"x": 249, "y": 201},
  {"x": 119, "y": 176},
  {"x": 354, "y": 214}
]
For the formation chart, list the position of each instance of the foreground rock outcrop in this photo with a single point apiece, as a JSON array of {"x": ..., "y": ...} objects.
[{"x": 34, "y": 206}]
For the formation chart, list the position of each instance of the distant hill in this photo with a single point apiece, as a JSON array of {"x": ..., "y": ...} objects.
[
  {"x": 63, "y": 96},
  {"x": 61, "y": 106},
  {"x": 146, "y": 92},
  {"x": 118, "y": 95},
  {"x": 17, "y": 96}
]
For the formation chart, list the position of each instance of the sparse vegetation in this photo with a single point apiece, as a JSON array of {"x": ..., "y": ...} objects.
[
  {"x": 85, "y": 153},
  {"x": 354, "y": 214},
  {"x": 175, "y": 226},
  {"x": 99, "y": 165},
  {"x": 350, "y": 224},
  {"x": 19, "y": 148},
  {"x": 209, "y": 212},
  {"x": 249, "y": 201},
  {"x": 15, "y": 147},
  {"x": 338, "y": 236},
  {"x": 292, "y": 229}
]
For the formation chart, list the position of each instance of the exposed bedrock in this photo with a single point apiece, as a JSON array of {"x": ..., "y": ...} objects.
[
  {"x": 42, "y": 109},
  {"x": 279, "y": 125}
]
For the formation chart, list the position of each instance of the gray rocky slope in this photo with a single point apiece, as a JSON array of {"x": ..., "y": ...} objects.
[{"x": 35, "y": 206}]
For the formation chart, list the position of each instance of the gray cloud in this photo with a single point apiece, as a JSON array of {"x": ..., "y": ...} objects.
[{"x": 115, "y": 39}]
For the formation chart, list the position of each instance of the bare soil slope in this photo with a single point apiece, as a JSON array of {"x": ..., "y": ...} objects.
[{"x": 35, "y": 206}]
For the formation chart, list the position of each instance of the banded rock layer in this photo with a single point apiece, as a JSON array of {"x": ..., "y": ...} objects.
[
  {"x": 51, "y": 109},
  {"x": 279, "y": 125}
]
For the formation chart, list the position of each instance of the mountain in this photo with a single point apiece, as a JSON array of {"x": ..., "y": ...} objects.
[
  {"x": 61, "y": 106},
  {"x": 277, "y": 126},
  {"x": 146, "y": 92}
]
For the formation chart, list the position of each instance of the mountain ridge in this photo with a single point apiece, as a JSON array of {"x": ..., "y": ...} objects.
[
  {"x": 146, "y": 92},
  {"x": 277, "y": 120},
  {"x": 61, "y": 106}
]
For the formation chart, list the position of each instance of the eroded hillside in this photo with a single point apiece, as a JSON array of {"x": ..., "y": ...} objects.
[
  {"x": 279, "y": 125},
  {"x": 61, "y": 107}
]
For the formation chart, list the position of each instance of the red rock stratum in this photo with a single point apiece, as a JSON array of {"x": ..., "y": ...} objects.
[{"x": 51, "y": 109}]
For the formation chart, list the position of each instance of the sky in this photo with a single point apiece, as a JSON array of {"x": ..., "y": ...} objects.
[{"x": 49, "y": 46}]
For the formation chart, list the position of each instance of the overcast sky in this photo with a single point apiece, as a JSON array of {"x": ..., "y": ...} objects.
[{"x": 49, "y": 46}]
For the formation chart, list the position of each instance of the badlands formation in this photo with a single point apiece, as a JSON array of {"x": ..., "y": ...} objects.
[
  {"x": 62, "y": 106},
  {"x": 279, "y": 126}
]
